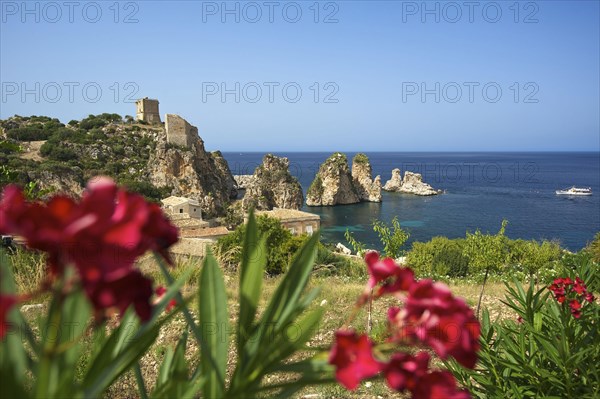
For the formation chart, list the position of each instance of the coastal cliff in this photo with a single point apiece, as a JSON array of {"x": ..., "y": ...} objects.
[
  {"x": 333, "y": 184},
  {"x": 411, "y": 184},
  {"x": 272, "y": 186},
  {"x": 368, "y": 189},
  {"x": 194, "y": 173}
]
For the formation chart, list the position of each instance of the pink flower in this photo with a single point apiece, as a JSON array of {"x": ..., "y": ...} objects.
[
  {"x": 393, "y": 277},
  {"x": 403, "y": 371},
  {"x": 353, "y": 358},
  {"x": 6, "y": 303},
  {"x": 435, "y": 317},
  {"x": 438, "y": 385}
]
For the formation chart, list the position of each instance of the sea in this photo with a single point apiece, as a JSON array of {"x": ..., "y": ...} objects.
[{"x": 480, "y": 190}]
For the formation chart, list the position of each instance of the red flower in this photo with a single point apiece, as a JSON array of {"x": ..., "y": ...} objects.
[
  {"x": 394, "y": 277},
  {"x": 433, "y": 316},
  {"x": 131, "y": 289},
  {"x": 6, "y": 303},
  {"x": 579, "y": 286},
  {"x": 589, "y": 297},
  {"x": 102, "y": 235},
  {"x": 575, "y": 306},
  {"x": 353, "y": 358},
  {"x": 160, "y": 291},
  {"x": 438, "y": 385},
  {"x": 403, "y": 370}
]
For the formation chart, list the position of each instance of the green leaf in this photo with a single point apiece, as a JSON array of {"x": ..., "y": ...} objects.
[
  {"x": 214, "y": 321},
  {"x": 127, "y": 343},
  {"x": 254, "y": 260}
]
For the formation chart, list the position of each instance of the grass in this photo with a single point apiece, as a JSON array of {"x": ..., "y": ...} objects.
[{"x": 337, "y": 297}]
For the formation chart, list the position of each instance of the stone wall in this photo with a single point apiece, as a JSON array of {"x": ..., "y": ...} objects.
[{"x": 179, "y": 131}]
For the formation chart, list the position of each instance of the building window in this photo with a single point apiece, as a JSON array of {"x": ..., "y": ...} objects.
[
  {"x": 181, "y": 210},
  {"x": 309, "y": 230},
  {"x": 292, "y": 230},
  {"x": 194, "y": 209}
]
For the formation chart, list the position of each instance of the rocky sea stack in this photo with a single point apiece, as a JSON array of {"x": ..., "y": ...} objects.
[
  {"x": 368, "y": 189},
  {"x": 411, "y": 184},
  {"x": 272, "y": 186},
  {"x": 334, "y": 184}
]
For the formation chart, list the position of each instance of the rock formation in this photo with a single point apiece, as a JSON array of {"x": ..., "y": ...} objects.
[
  {"x": 366, "y": 188},
  {"x": 194, "y": 173},
  {"x": 272, "y": 186},
  {"x": 333, "y": 184},
  {"x": 243, "y": 181},
  {"x": 395, "y": 183},
  {"x": 223, "y": 166},
  {"x": 411, "y": 184}
]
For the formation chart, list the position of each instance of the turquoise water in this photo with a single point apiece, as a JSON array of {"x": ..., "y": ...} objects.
[{"x": 481, "y": 190}]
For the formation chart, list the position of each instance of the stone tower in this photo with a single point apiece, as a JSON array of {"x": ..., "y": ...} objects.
[
  {"x": 179, "y": 131},
  {"x": 147, "y": 110}
]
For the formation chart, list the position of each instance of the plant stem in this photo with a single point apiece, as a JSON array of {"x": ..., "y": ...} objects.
[{"x": 487, "y": 270}]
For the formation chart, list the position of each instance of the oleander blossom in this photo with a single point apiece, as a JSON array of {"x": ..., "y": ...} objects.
[
  {"x": 435, "y": 317},
  {"x": 160, "y": 291},
  {"x": 102, "y": 235},
  {"x": 391, "y": 277},
  {"x": 566, "y": 291},
  {"x": 352, "y": 355}
]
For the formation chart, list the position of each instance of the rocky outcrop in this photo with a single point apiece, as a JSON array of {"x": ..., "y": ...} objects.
[
  {"x": 272, "y": 186},
  {"x": 368, "y": 189},
  {"x": 243, "y": 181},
  {"x": 333, "y": 184},
  {"x": 192, "y": 172},
  {"x": 223, "y": 166},
  {"x": 411, "y": 184},
  {"x": 395, "y": 183}
]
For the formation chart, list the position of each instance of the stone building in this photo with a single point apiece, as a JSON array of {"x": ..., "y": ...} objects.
[
  {"x": 297, "y": 222},
  {"x": 181, "y": 207},
  {"x": 179, "y": 131},
  {"x": 147, "y": 110}
]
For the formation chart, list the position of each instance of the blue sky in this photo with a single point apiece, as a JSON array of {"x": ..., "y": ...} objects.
[{"x": 367, "y": 75}]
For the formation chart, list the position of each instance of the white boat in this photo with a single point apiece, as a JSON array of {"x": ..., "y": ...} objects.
[{"x": 575, "y": 191}]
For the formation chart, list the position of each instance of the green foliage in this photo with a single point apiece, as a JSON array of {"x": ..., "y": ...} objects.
[
  {"x": 316, "y": 187},
  {"x": 360, "y": 158},
  {"x": 486, "y": 252},
  {"x": 10, "y": 147},
  {"x": 438, "y": 258},
  {"x": 356, "y": 245},
  {"x": 593, "y": 248},
  {"x": 280, "y": 245},
  {"x": 548, "y": 354},
  {"x": 29, "y": 133},
  {"x": 147, "y": 189},
  {"x": 391, "y": 237}
]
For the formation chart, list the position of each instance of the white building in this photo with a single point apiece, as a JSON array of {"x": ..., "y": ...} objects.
[{"x": 182, "y": 208}]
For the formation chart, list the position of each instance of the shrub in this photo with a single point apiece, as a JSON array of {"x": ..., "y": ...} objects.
[
  {"x": 29, "y": 133},
  {"x": 548, "y": 350},
  {"x": 593, "y": 248},
  {"x": 439, "y": 257},
  {"x": 277, "y": 242},
  {"x": 360, "y": 158}
]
